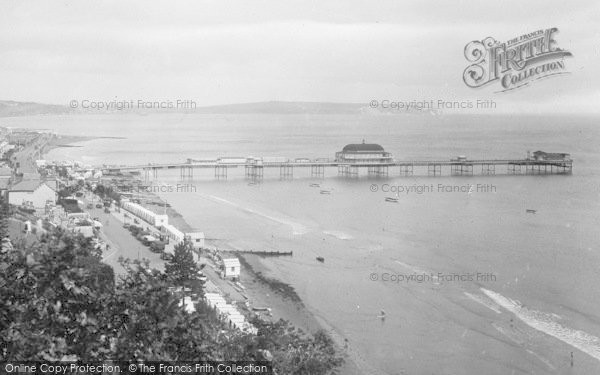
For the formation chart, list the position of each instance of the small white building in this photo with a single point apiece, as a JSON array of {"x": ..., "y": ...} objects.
[
  {"x": 228, "y": 313},
  {"x": 145, "y": 214},
  {"x": 196, "y": 239},
  {"x": 232, "y": 267},
  {"x": 173, "y": 234},
  {"x": 32, "y": 193},
  {"x": 177, "y": 236}
]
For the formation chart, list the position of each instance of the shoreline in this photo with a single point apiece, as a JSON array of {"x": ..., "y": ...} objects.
[
  {"x": 64, "y": 141},
  {"x": 265, "y": 271},
  {"x": 288, "y": 305},
  {"x": 265, "y": 291}
]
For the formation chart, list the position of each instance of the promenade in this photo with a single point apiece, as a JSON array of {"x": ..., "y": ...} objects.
[{"x": 122, "y": 243}]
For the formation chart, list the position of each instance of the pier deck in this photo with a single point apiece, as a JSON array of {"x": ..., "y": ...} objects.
[{"x": 254, "y": 170}]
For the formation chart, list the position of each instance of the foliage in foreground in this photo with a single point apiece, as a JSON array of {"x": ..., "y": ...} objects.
[{"x": 60, "y": 302}]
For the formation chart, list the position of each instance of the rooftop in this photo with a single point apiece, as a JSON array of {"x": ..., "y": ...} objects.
[
  {"x": 27, "y": 185},
  {"x": 549, "y": 153},
  {"x": 231, "y": 262},
  {"x": 363, "y": 147}
]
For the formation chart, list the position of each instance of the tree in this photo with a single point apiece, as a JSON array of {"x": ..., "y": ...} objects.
[
  {"x": 3, "y": 218},
  {"x": 181, "y": 269},
  {"x": 148, "y": 323},
  {"x": 107, "y": 192},
  {"x": 53, "y": 294},
  {"x": 61, "y": 303},
  {"x": 62, "y": 172}
]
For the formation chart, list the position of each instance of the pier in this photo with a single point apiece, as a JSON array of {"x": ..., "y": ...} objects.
[{"x": 356, "y": 159}]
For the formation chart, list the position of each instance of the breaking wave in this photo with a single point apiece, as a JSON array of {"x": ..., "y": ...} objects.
[{"x": 547, "y": 324}]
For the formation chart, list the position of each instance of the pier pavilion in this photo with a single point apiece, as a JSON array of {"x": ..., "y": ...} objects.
[
  {"x": 363, "y": 153},
  {"x": 370, "y": 155}
]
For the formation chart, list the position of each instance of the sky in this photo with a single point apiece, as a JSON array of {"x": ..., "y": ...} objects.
[{"x": 221, "y": 52}]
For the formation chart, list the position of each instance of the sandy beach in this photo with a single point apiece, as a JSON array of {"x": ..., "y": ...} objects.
[{"x": 261, "y": 289}]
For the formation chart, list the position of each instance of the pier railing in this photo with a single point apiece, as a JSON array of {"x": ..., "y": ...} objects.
[{"x": 254, "y": 169}]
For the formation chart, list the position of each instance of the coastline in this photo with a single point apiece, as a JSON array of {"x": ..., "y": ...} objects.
[
  {"x": 262, "y": 289},
  {"x": 265, "y": 270},
  {"x": 265, "y": 291},
  {"x": 64, "y": 141}
]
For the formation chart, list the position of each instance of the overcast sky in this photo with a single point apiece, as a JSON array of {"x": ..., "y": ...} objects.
[{"x": 218, "y": 52}]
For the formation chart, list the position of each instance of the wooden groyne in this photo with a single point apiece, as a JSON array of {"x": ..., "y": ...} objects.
[{"x": 264, "y": 252}]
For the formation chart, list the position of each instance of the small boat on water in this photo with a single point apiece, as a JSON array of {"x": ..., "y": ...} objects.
[
  {"x": 325, "y": 192},
  {"x": 315, "y": 185},
  {"x": 530, "y": 211},
  {"x": 321, "y": 259},
  {"x": 391, "y": 200}
]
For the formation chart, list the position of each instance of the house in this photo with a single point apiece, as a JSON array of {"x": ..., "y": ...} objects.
[
  {"x": 541, "y": 155},
  {"x": 232, "y": 267},
  {"x": 32, "y": 193}
]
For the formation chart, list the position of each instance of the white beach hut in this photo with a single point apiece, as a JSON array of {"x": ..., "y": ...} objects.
[{"x": 232, "y": 267}]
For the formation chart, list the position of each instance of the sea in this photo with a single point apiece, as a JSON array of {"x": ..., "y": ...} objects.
[{"x": 451, "y": 276}]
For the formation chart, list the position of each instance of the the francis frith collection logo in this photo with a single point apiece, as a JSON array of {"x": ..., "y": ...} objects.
[{"x": 515, "y": 63}]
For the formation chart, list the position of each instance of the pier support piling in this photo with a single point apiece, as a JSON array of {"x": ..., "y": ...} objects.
[
  {"x": 514, "y": 168},
  {"x": 434, "y": 169},
  {"x": 348, "y": 170},
  {"x": 461, "y": 170},
  {"x": 150, "y": 171},
  {"x": 317, "y": 171},
  {"x": 488, "y": 169},
  {"x": 221, "y": 172},
  {"x": 186, "y": 172},
  {"x": 286, "y": 172},
  {"x": 406, "y": 170},
  {"x": 377, "y": 170},
  {"x": 254, "y": 172}
]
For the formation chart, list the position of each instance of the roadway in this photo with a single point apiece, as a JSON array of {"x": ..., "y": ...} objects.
[{"x": 122, "y": 243}]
